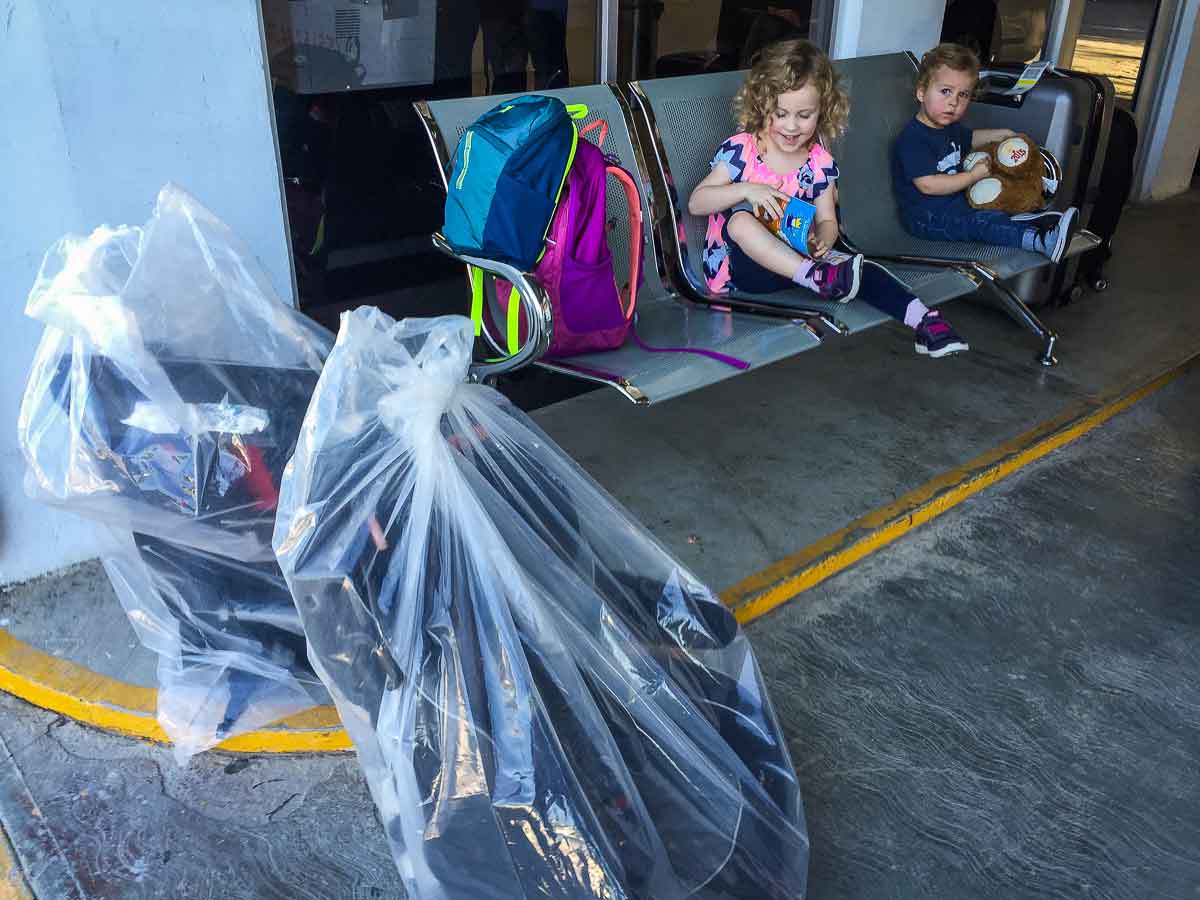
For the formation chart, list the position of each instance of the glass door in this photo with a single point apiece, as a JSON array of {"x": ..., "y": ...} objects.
[
  {"x": 1113, "y": 40},
  {"x": 362, "y": 188}
]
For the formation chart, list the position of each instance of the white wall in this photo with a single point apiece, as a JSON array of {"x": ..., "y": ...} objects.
[
  {"x": 869, "y": 27},
  {"x": 103, "y": 103}
]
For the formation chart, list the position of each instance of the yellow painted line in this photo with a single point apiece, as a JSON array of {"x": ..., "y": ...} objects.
[
  {"x": 106, "y": 703},
  {"x": 786, "y": 579},
  {"x": 81, "y": 694},
  {"x": 13, "y": 885}
]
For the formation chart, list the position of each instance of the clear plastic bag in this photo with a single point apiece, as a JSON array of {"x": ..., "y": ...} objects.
[
  {"x": 231, "y": 651},
  {"x": 164, "y": 401},
  {"x": 172, "y": 326},
  {"x": 544, "y": 702}
]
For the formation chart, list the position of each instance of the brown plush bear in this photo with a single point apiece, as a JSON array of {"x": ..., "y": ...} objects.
[{"x": 1014, "y": 184}]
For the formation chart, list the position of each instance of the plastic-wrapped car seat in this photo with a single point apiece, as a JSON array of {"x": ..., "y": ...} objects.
[
  {"x": 231, "y": 652},
  {"x": 164, "y": 401},
  {"x": 544, "y": 702}
]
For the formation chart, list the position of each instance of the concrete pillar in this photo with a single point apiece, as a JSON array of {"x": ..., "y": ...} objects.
[
  {"x": 104, "y": 103},
  {"x": 1172, "y": 139}
]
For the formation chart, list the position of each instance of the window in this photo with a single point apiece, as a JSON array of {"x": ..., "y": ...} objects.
[
  {"x": 1005, "y": 31},
  {"x": 362, "y": 188},
  {"x": 1112, "y": 41},
  {"x": 681, "y": 37}
]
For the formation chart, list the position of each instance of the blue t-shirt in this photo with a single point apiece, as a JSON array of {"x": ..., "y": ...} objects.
[{"x": 921, "y": 150}]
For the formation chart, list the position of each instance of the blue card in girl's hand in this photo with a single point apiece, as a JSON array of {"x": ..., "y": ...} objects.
[{"x": 796, "y": 224}]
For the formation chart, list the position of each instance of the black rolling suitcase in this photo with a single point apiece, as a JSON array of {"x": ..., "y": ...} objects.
[
  {"x": 1116, "y": 182},
  {"x": 1068, "y": 113}
]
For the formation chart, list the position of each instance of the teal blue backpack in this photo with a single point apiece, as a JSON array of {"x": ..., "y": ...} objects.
[{"x": 508, "y": 171}]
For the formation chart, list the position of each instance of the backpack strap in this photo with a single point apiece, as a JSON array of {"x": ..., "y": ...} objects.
[
  {"x": 600, "y": 124},
  {"x": 476, "y": 275},
  {"x": 513, "y": 316},
  {"x": 513, "y": 323},
  {"x": 725, "y": 358},
  {"x": 635, "y": 273},
  {"x": 635, "y": 231}
]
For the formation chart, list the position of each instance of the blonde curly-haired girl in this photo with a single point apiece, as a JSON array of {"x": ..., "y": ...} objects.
[{"x": 792, "y": 101}]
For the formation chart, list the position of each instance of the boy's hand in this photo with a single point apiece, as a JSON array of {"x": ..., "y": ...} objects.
[
  {"x": 981, "y": 170},
  {"x": 767, "y": 201}
]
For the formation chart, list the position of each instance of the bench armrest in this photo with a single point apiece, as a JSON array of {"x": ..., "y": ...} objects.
[{"x": 535, "y": 305}]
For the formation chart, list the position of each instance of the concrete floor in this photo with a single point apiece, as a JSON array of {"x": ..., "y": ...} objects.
[
  {"x": 1005, "y": 704},
  {"x": 1000, "y": 705}
]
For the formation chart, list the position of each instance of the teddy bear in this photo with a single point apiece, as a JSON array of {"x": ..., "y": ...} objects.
[{"x": 1015, "y": 182}]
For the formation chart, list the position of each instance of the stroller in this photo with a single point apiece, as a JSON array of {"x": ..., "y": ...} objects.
[{"x": 544, "y": 702}]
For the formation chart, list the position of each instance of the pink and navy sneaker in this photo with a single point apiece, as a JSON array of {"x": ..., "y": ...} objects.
[
  {"x": 837, "y": 281},
  {"x": 936, "y": 338}
]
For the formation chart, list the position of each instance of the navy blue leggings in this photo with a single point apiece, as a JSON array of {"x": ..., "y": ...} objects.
[
  {"x": 990, "y": 226},
  {"x": 878, "y": 288}
]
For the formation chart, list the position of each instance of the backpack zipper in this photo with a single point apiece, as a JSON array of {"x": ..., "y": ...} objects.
[{"x": 466, "y": 159}]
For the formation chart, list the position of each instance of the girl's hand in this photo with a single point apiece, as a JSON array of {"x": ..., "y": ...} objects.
[
  {"x": 767, "y": 201},
  {"x": 822, "y": 238}
]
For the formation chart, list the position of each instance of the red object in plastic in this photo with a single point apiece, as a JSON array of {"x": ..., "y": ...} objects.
[{"x": 258, "y": 480}]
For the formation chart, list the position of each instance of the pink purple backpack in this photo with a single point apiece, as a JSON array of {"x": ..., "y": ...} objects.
[{"x": 590, "y": 312}]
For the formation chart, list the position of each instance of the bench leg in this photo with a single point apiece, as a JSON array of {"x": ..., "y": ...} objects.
[
  {"x": 1017, "y": 308},
  {"x": 1047, "y": 357}
]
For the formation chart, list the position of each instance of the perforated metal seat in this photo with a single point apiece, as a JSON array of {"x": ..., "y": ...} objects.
[
  {"x": 665, "y": 131},
  {"x": 664, "y": 318}
]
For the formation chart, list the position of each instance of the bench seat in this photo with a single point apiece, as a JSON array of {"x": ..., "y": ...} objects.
[
  {"x": 664, "y": 131},
  {"x": 646, "y": 377},
  {"x": 683, "y": 120},
  {"x": 664, "y": 318}
]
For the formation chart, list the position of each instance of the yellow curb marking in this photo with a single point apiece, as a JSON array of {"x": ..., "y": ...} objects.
[
  {"x": 72, "y": 690},
  {"x": 786, "y": 579}
]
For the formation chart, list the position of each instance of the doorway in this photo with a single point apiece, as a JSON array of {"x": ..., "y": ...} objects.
[{"x": 1112, "y": 41}]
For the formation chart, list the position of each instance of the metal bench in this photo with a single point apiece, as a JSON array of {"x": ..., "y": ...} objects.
[
  {"x": 665, "y": 319},
  {"x": 664, "y": 131},
  {"x": 683, "y": 119}
]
